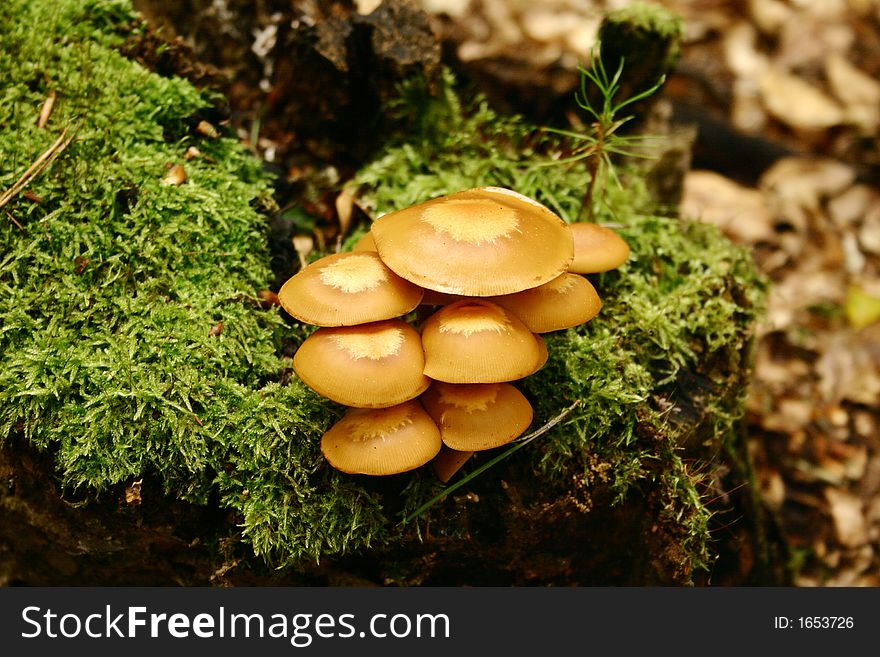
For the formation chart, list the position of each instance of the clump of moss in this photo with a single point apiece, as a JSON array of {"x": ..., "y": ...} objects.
[
  {"x": 133, "y": 341},
  {"x": 114, "y": 287}
]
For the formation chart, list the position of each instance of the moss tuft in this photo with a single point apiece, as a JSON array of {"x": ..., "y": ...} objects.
[{"x": 114, "y": 285}]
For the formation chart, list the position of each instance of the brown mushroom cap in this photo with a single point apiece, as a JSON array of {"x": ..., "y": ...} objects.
[
  {"x": 346, "y": 289},
  {"x": 365, "y": 243},
  {"x": 368, "y": 366},
  {"x": 566, "y": 301},
  {"x": 477, "y": 341},
  {"x": 543, "y": 354},
  {"x": 479, "y": 242},
  {"x": 382, "y": 441},
  {"x": 477, "y": 416},
  {"x": 596, "y": 249}
]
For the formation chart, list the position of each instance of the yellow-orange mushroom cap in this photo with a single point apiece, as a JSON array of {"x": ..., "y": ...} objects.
[
  {"x": 596, "y": 249},
  {"x": 367, "y": 366},
  {"x": 365, "y": 243},
  {"x": 346, "y": 289},
  {"x": 477, "y": 341},
  {"x": 477, "y": 416},
  {"x": 479, "y": 242},
  {"x": 566, "y": 301},
  {"x": 382, "y": 441}
]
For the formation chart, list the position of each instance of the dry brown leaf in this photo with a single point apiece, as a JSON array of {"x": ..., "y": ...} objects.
[
  {"x": 802, "y": 289},
  {"x": 133, "y": 492},
  {"x": 858, "y": 91},
  {"x": 797, "y": 103},
  {"x": 851, "y": 206},
  {"x": 847, "y": 515},
  {"x": 849, "y": 368},
  {"x": 770, "y": 15},
  {"x": 806, "y": 181},
  {"x": 344, "y": 209},
  {"x": 176, "y": 175},
  {"x": 869, "y": 232},
  {"x": 740, "y": 212}
]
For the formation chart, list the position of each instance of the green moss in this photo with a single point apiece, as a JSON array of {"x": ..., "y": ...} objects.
[
  {"x": 649, "y": 18},
  {"x": 111, "y": 287},
  {"x": 112, "y": 284}
]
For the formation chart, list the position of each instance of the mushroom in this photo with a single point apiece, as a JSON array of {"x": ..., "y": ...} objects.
[
  {"x": 382, "y": 441},
  {"x": 566, "y": 301},
  {"x": 479, "y": 242},
  {"x": 477, "y": 416},
  {"x": 365, "y": 243},
  {"x": 449, "y": 461},
  {"x": 345, "y": 289},
  {"x": 596, "y": 249},
  {"x": 370, "y": 365},
  {"x": 477, "y": 341}
]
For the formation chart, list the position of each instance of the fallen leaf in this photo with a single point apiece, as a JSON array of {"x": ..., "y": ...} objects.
[
  {"x": 133, "y": 492},
  {"x": 858, "y": 91},
  {"x": 740, "y": 212},
  {"x": 176, "y": 175},
  {"x": 849, "y": 368},
  {"x": 806, "y": 181},
  {"x": 797, "y": 103},
  {"x": 861, "y": 308},
  {"x": 848, "y": 518}
]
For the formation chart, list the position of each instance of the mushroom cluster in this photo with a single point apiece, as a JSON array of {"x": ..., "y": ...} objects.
[{"x": 487, "y": 271}]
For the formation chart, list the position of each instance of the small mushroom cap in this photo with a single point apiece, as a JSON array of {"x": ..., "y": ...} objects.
[
  {"x": 365, "y": 243},
  {"x": 368, "y": 366},
  {"x": 566, "y": 301},
  {"x": 382, "y": 441},
  {"x": 477, "y": 416},
  {"x": 345, "y": 289},
  {"x": 477, "y": 341},
  {"x": 479, "y": 242},
  {"x": 543, "y": 354},
  {"x": 596, "y": 249}
]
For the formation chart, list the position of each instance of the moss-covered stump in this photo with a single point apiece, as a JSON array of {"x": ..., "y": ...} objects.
[{"x": 153, "y": 433}]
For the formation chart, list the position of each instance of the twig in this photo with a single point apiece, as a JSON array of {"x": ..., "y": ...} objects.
[
  {"x": 519, "y": 443},
  {"x": 13, "y": 220},
  {"x": 38, "y": 166},
  {"x": 46, "y": 111}
]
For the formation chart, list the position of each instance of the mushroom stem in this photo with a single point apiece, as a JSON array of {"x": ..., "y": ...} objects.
[{"x": 448, "y": 462}]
